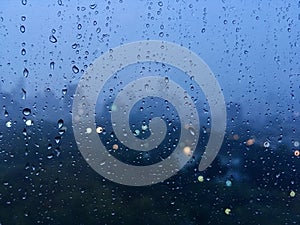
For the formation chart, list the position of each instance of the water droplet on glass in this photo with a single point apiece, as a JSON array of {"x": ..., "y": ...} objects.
[
  {"x": 74, "y": 46},
  {"x": 26, "y": 112},
  {"x": 23, "y": 18},
  {"x": 25, "y": 72},
  {"x": 60, "y": 123},
  {"x": 23, "y": 94},
  {"x": 24, "y": 2},
  {"x": 29, "y": 122},
  {"x": 75, "y": 69},
  {"x": 8, "y": 124},
  {"x": 23, "y": 51},
  {"x": 160, "y": 3},
  {"x": 22, "y": 29},
  {"x": 64, "y": 91},
  {"x": 52, "y": 65},
  {"x": 203, "y": 30},
  {"x": 192, "y": 131},
  {"x": 52, "y": 39},
  {"x": 93, "y": 6},
  {"x": 50, "y": 156},
  {"x": 59, "y": 2},
  {"x": 57, "y": 139}
]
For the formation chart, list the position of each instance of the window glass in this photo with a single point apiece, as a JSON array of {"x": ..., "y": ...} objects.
[{"x": 149, "y": 112}]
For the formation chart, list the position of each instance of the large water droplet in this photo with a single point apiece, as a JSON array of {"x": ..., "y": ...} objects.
[
  {"x": 52, "y": 39},
  {"x": 26, "y": 111},
  {"x": 25, "y": 72},
  {"x": 75, "y": 69}
]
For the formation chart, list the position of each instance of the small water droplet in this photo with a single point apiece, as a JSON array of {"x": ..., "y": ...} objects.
[
  {"x": 60, "y": 123},
  {"x": 160, "y": 3},
  {"x": 23, "y": 51},
  {"x": 24, "y": 2},
  {"x": 75, "y": 69},
  {"x": 64, "y": 91},
  {"x": 57, "y": 139},
  {"x": 23, "y": 94},
  {"x": 50, "y": 156},
  {"x": 52, "y": 39},
  {"x": 8, "y": 124},
  {"x": 52, "y": 65},
  {"x": 192, "y": 131},
  {"x": 25, "y": 72},
  {"x": 59, "y": 2},
  {"x": 29, "y": 122},
  {"x": 26, "y": 112},
  {"x": 93, "y": 6},
  {"x": 167, "y": 79},
  {"x": 203, "y": 30},
  {"x": 22, "y": 29},
  {"x": 23, "y": 18}
]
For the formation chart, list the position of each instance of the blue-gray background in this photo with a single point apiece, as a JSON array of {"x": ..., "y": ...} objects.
[{"x": 251, "y": 46}]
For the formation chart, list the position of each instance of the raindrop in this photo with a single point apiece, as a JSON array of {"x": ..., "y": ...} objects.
[
  {"x": 93, "y": 6},
  {"x": 50, "y": 156},
  {"x": 24, "y": 132},
  {"x": 8, "y": 124},
  {"x": 75, "y": 69},
  {"x": 74, "y": 46},
  {"x": 266, "y": 144},
  {"x": 25, "y": 72},
  {"x": 22, "y": 29},
  {"x": 29, "y": 122},
  {"x": 192, "y": 131},
  {"x": 26, "y": 112},
  {"x": 23, "y": 94},
  {"x": 62, "y": 131},
  {"x": 203, "y": 30},
  {"x": 60, "y": 123},
  {"x": 23, "y": 51},
  {"x": 52, "y": 39},
  {"x": 59, "y": 2},
  {"x": 49, "y": 146},
  {"x": 160, "y": 3},
  {"x": 23, "y": 18},
  {"x": 57, "y": 140},
  {"x": 64, "y": 91},
  {"x": 52, "y": 65},
  {"x": 98, "y": 30},
  {"x": 24, "y": 2}
]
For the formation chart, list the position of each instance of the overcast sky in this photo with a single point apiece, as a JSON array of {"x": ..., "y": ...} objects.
[{"x": 251, "y": 46}]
